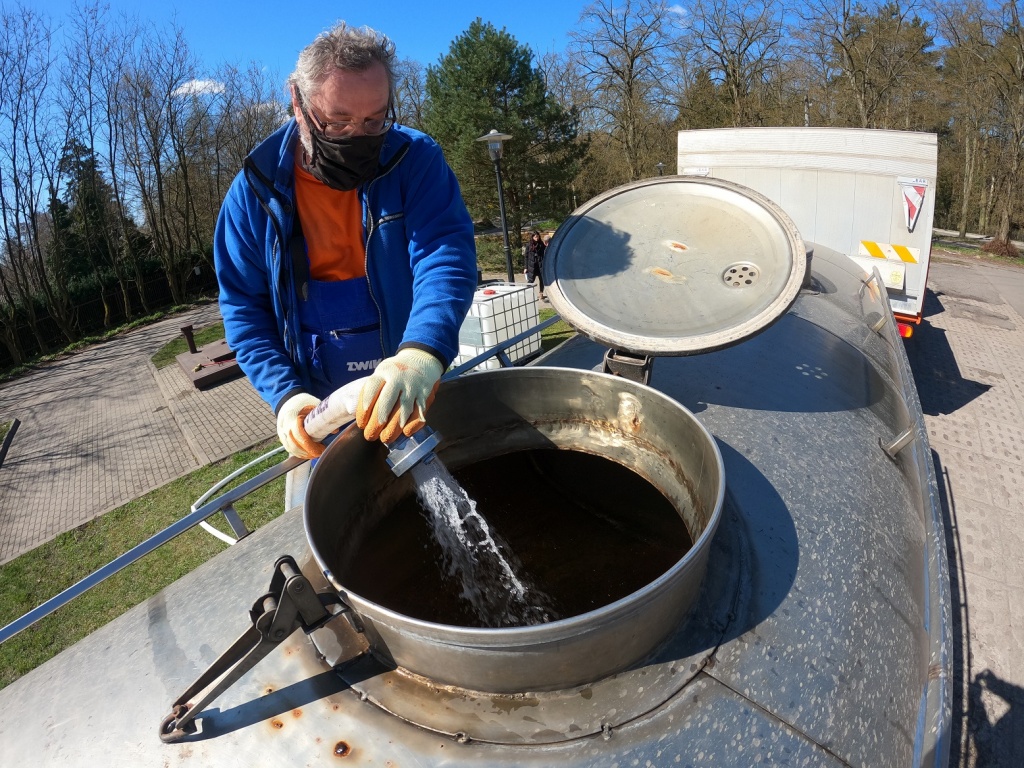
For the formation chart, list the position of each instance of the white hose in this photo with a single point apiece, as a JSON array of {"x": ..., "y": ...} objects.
[
  {"x": 220, "y": 484},
  {"x": 218, "y": 534}
]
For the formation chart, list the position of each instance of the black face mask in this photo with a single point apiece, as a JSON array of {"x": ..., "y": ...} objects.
[{"x": 344, "y": 164}]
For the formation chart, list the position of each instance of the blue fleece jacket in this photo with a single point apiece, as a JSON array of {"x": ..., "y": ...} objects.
[{"x": 420, "y": 257}]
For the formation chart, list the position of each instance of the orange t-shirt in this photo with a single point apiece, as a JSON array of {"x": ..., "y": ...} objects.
[{"x": 332, "y": 223}]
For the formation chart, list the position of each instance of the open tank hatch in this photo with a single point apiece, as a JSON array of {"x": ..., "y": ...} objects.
[{"x": 557, "y": 453}]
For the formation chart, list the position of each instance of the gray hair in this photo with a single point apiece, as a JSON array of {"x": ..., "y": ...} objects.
[{"x": 346, "y": 48}]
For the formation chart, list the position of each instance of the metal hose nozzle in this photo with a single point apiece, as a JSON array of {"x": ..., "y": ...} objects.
[{"x": 405, "y": 452}]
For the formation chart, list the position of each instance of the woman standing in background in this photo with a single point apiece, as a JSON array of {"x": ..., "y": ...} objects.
[{"x": 535, "y": 248}]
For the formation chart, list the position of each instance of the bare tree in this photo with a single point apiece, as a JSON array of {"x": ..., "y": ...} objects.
[
  {"x": 968, "y": 96},
  {"x": 1006, "y": 73},
  {"x": 31, "y": 138},
  {"x": 739, "y": 42},
  {"x": 249, "y": 109},
  {"x": 619, "y": 53},
  {"x": 877, "y": 52},
  {"x": 92, "y": 52},
  {"x": 410, "y": 93},
  {"x": 154, "y": 143}
]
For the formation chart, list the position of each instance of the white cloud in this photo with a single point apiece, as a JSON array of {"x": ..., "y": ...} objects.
[
  {"x": 678, "y": 10},
  {"x": 196, "y": 87}
]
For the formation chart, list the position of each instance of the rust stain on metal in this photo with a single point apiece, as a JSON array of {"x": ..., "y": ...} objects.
[
  {"x": 342, "y": 749},
  {"x": 677, "y": 246},
  {"x": 665, "y": 275},
  {"x": 275, "y": 723},
  {"x": 296, "y": 712}
]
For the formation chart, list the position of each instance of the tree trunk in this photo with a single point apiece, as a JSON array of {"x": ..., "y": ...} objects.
[
  {"x": 1006, "y": 211},
  {"x": 9, "y": 338},
  {"x": 969, "y": 155},
  {"x": 9, "y": 326}
]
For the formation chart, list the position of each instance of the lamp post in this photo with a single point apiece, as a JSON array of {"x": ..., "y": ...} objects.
[
  {"x": 494, "y": 140},
  {"x": 661, "y": 168}
]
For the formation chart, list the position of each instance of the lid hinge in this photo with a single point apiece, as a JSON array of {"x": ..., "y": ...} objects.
[{"x": 629, "y": 366}]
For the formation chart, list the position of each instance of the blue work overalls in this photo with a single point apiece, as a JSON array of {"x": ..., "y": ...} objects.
[{"x": 339, "y": 324}]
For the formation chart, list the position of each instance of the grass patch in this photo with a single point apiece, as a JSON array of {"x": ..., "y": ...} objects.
[
  {"x": 5, "y": 427},
  {"x": 556, "y": 333},
  {"x": 973, "y": 250},
  {"x": 490, "y": 255},
  {"x": 169, "y": 351},
  {"x": 36, "y": 576}
]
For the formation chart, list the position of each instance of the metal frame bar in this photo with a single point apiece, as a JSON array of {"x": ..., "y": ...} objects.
[
  {"x": 154, "y": 541},
  {"x": 237, "y": 526},
  {"x": 224, "y": 503},
  {"x": 8, "y": 439},
  {"x": 499, "y": 350}
]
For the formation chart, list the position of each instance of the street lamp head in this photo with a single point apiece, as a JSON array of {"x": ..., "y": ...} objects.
[
  {"x": 661, "y": 167},
  {"x": 494, "y": 140}
]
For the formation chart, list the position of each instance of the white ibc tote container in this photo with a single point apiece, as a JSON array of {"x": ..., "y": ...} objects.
[{"x": 500, "y": 311}]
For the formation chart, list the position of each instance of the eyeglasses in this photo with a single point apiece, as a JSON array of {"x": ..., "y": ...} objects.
[{"x": 342, "y": 129}]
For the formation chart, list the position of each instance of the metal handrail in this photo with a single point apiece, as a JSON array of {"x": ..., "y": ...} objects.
[
  {"x": 199, "y": 514},
  {"x": 498, "y": 350},
  {"x": 140, "y": 550}
]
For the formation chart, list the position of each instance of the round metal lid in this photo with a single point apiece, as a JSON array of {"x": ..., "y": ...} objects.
[{"x": 674, "y": 266}]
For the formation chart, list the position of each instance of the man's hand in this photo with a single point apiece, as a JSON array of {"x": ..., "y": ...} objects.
[
  {"x": 395, "y": 398},
  {"x": 290, "y": 431}
]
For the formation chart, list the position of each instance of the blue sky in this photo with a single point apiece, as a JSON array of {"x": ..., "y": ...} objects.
[{"x": 234, "y": 31}]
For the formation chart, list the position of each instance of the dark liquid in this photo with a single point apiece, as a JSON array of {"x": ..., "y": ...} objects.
[{"x": 580, "y": 529}]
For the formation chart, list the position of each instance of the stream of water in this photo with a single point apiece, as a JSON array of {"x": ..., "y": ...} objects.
[{"x": 486, "y": 569}]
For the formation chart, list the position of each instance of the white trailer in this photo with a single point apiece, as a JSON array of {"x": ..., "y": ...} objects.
[{"x": 869, "y": 194}]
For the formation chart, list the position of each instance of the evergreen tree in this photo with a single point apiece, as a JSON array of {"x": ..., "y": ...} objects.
[{"x": 488, "y": 81}]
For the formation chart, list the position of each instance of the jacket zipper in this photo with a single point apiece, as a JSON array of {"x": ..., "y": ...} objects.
[{"x": 369, "y": 223}]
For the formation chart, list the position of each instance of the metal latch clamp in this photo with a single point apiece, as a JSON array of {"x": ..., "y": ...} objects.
[
  {"x": 633, "y": 367},
  {"x": 291, "y": 603}
]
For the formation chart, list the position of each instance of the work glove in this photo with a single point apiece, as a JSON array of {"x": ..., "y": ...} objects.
[
  {"x": 290, "y": 430},
  {"x": 395, "y": 398}
]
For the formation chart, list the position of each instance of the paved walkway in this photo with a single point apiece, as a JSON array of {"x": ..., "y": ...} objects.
[
  {"x": 103, "y": 427},
  {"x": 968, "y": 360}
]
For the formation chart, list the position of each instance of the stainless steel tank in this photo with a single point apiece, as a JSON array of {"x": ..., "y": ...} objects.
[{"x": 819, "y": 635}]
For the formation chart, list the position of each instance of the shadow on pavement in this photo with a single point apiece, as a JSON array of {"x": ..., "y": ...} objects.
[
  {"x": 976, "y": 739},
  {"x": 994, "y": 738},
  {"x": 939, "y": 384},
  {"x": 961, "y": 618}
]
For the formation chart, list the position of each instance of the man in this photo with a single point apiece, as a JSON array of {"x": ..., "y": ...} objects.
[{"x": 343, "y": 249}]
